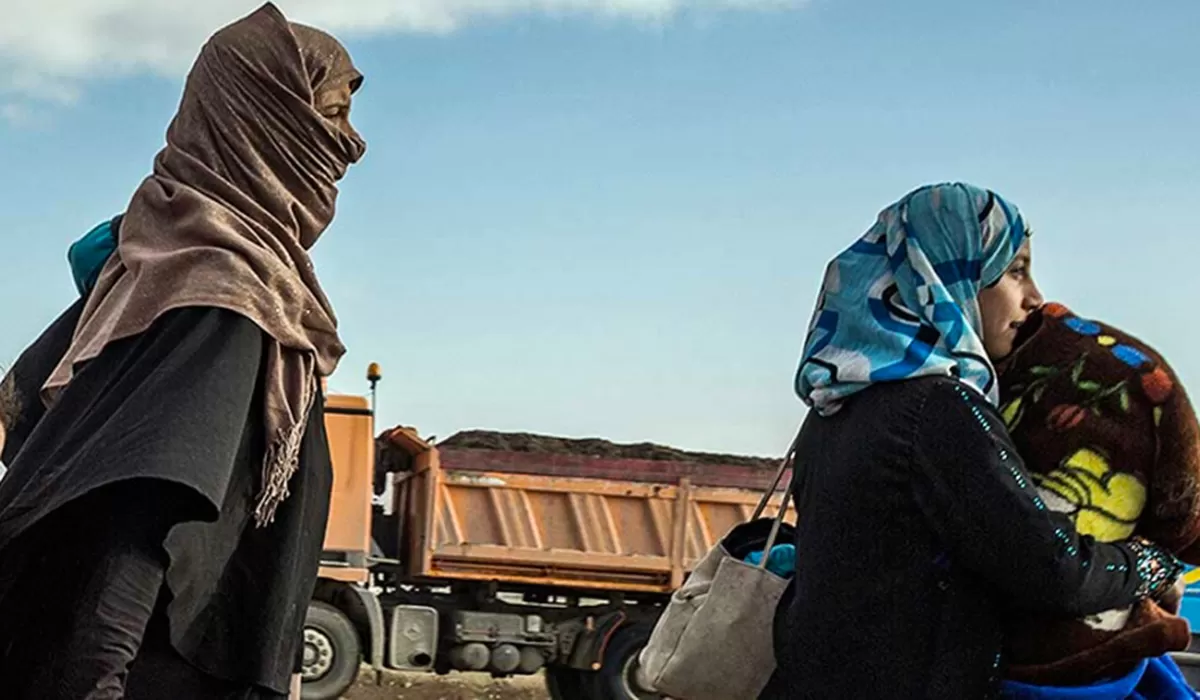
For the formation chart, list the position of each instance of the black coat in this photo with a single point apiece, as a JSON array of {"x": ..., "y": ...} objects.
[
  {"x": 180, "y": 404},
  {"x": 918, "y": 529}
]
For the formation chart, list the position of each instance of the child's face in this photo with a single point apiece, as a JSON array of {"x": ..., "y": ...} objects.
[{"x": 1006, "y": 305}]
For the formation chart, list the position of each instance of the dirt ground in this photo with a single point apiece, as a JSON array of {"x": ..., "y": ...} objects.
[{"x": 458, "y": 686}]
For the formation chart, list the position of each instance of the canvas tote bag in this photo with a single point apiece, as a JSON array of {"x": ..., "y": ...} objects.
[{"x": 714, "y": 638}]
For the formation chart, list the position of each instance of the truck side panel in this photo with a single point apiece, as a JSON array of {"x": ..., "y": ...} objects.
[{"x": 564, "y": 532}]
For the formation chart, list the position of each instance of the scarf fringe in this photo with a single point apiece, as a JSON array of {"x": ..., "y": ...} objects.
[{"x": 280, "y": 464}]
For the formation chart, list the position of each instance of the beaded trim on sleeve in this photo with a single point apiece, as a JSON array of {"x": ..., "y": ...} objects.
[
  {"x": 1017, "y": 475},
  {"x": 1156, "y": 567}
]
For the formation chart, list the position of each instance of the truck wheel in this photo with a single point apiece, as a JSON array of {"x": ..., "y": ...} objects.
[
  {"x": 332, "y": 653},
  {"x": 615, "y": 679},
  {"x": 564, "y": 683}
]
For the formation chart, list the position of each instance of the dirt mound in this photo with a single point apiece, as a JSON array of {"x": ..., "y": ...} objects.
[{"x": 593, "y": 447}]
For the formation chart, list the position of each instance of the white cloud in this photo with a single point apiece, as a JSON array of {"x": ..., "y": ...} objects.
[
  {"x": 16, "y": 114},
  {"x": 49, "y": 47}
]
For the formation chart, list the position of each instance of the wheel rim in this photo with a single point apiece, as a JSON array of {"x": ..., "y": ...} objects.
[
  {"x": 318, "y": 655},
  {"x": 629, "y": 683}
]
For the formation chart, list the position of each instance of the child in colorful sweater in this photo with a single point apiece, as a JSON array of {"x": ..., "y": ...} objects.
[{"x": 1111, "y": 439}]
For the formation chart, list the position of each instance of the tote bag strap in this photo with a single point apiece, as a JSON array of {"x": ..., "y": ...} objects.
[{"x": 789, "y": 460}]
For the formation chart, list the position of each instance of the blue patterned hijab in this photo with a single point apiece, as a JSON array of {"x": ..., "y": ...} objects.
[{"x": 902, "y": 301}]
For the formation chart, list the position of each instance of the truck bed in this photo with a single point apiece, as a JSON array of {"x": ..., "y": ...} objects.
[{"x": 569, "y": 521}]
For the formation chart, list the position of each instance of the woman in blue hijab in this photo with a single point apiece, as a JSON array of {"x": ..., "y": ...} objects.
[{"x": 919, "y": 526}]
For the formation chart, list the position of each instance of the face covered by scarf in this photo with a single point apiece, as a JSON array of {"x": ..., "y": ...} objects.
[
  {"x": 244, "y": 187},
  {"x": 902, "y": 301}
]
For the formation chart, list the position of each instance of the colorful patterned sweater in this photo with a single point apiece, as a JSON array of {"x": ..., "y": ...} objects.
[{"x": 1110, "y": 437}]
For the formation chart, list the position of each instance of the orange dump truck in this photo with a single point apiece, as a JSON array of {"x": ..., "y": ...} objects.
[{"x": 507, "y": 555}]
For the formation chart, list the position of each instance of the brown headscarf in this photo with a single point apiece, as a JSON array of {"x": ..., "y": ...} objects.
[{"x": 244, "y": 187}]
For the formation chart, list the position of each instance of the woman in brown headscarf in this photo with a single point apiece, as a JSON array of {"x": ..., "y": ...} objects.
[{"x": 161, "y": 522}]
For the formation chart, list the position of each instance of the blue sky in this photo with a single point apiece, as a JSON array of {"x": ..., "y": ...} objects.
[{"x": 613, "y": 221}]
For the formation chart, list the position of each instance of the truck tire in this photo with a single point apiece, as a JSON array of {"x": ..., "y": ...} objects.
[
  {"x": 332, "y": 653},
  {"x": 615, "y": 679},
  {"x": 564, "y": 683}
]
